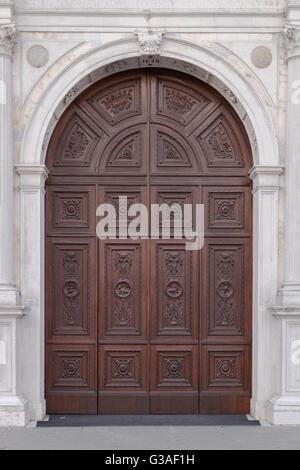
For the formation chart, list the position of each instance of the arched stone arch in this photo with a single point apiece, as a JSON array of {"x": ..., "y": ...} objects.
[{"x": 210, "y": 63}]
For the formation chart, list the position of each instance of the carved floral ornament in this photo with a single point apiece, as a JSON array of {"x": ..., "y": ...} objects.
[
  {"x": 7, "y": 38},
  {"x": 292, "y": 39}
]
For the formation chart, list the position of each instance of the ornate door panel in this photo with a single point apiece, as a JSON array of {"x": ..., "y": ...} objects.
[{"x": 145, "y": 326}]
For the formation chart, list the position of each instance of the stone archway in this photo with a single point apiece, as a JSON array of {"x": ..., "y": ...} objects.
[{"x": 223, "y": 73}]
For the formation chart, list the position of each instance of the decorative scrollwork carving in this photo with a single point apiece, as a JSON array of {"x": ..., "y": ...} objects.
[
  {"x": 77, "y": 145},
  {"x": 120, "y": 101},
  {"x": 71, "y": 288},
  {"x": 224, "y": 289},
  {"x": 179, "y": 102},
  {"x": 220, "y": 144}
]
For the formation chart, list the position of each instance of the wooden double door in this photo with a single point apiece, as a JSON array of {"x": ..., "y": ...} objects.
[{"x": 145, "y": 326}]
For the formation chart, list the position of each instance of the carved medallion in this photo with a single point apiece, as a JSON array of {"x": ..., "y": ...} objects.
[
  {"x": 174, "y": 368},
  {"x": 122, "y": 367},
  {"x": 123, "y": 289},
  {"x": 225, "y": 210},
  {"x": 226, "y": 369},
  {"x": 71, "y": 210},
  {"x": 174, "y": 289},
  {"x": 71, "y": 289},
  {"x": 38, "y": 56},
  {"x": 71, "y": 368}
]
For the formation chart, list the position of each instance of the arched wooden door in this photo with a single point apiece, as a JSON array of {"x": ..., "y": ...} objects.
[{"x": 146, "y": 326}]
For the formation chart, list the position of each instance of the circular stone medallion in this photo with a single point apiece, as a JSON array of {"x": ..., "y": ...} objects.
[
  {"x": 38, "y": 56},
  {"x": 261, "y": 57}
]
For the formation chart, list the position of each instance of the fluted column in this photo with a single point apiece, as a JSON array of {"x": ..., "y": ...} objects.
[
  {"x": 291, "y": 287},
  {"x": 8, "y": 293}
]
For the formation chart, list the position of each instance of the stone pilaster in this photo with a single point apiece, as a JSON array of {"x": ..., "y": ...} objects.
[
  {"x": 14, "y": 410},
  {"x": 266, "y": 190},
  {"x": 291, "y": 287},
  {"x": 8, "y": 292},
  {"x": 284, "y": 406}
]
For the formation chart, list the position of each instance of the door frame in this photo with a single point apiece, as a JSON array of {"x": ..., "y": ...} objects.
[{"x": 250, "y": 100}]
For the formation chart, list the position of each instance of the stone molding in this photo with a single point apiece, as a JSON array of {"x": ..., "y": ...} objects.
[{"x": 266, "y": 178}]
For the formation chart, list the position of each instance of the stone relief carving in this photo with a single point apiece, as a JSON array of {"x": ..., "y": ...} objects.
[
  {"x": 230, "y": 95},
  {"x": 292, "y": 39},
  {"x": 116, "y": 67},
  {"x": 71, "y": 95},
  {"x": 7, "y": 38},
  {"x": 150, "y": 41}
]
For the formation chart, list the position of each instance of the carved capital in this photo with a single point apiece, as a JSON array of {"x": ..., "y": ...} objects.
[
  {"x": 7, "y": 38},
  {"x": 292, "y": 40},
  {"x": 150, "y": 41}
]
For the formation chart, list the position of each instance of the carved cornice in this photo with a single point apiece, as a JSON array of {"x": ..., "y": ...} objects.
[
  {"x": 7, "y": 38},
  {"x": 150, "y": 41},
  {"x": 292, "y": 40}
]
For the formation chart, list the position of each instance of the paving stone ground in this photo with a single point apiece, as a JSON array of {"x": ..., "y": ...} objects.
[{"x": 151, "y": 438}]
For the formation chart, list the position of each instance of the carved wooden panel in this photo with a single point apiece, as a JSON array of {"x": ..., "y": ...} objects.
[
  {"x": 111, "y": 195},
  {"x": 72, "y": 294},
  {"x": 118, "y": 102},
  {"x": 125, "y": 153},
  {"x": 121, "y": 282},
  {"x": 76, "y": 146},
  {"x": 123, "y": 367},
  {"x": 178, "y": 103},
  {"x": 71, "y": 209},
  {"x": 72, "y": 368},
  {"x": 221, "y": 144},
  {"x": 226, "y": 209},
  {"x": 174, "y": 367},
  {"x": 174, "y": 301},
  {"x": 226, "y": 287},
  {"x": 171, "y": 195},
  {"x": 225, "y": 367},
  {"x": 171, "y": 152}
]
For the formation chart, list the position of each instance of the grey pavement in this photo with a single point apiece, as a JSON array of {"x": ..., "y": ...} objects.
[{"x": 151, "y": 438}]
